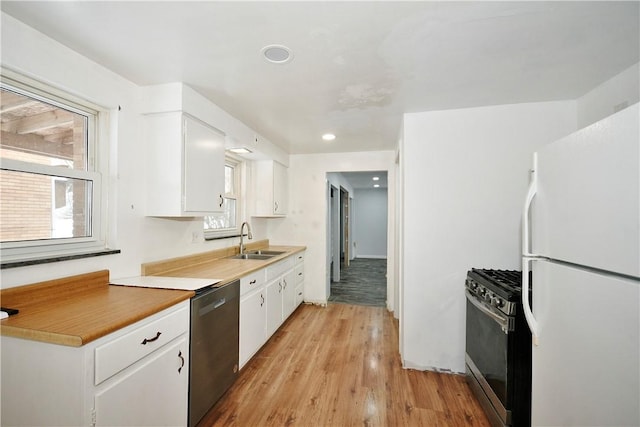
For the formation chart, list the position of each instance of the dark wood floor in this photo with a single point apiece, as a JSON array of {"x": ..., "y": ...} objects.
[
  {"x": 364, "y": 282},
  {"x": 339, "y": 366}
]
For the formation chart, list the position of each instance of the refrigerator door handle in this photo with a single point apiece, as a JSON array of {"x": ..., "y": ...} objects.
[
  {"x": 526, "y": 219},
  {"x": 526, "y": 307},
  {"x": 527, "y": 256}
]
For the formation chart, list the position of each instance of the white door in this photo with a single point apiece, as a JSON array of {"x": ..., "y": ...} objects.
[
  {"x": 587, "y": 206},
  {"x": 151, "y": 393},
  {"x": 253, "y": 324},
  {"x": 203, "y": 168},
  {"x": 274, "y": 306},
  {"x": 586, "y": 369}
]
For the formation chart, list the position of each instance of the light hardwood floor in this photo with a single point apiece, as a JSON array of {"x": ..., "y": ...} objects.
[{"x": 339, "y": 366}]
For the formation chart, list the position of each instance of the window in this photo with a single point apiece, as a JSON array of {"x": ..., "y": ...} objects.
[
  {"x": 50, "y": 191},
  {"x": 226, "y": 223}
]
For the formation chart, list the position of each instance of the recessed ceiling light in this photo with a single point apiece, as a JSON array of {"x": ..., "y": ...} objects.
[
  {"x": 328, "y": 137},
  {"x": 277, "y": 54},
  {"x": 240, "y": 150},
  {"x": 376, "y": 185},
  {"x": 376, "y": 178}
]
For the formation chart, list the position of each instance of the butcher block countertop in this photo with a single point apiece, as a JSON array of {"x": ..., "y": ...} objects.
[
  {"x": 76, "y": 310},
  {"x": 217, "y": 264}
]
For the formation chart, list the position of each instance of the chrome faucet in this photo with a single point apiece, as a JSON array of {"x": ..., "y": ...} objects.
[{"x": 249, "y": 235}]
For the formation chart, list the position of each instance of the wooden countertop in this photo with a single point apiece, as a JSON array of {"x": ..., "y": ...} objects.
[
  {"x": 76, "y": 310},
  {"x": 226, "y": 269}
]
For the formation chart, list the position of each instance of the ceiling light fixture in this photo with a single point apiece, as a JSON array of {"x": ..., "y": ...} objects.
[
  {"x": 376, "y": 178},
  {"x": 328, "y": 137},
  {"x": 240, "y": 150},
  {"x": 376, "y": 185},
  {"x": 277, "y": 54}
]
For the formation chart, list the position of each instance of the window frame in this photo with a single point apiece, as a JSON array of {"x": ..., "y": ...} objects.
[
  {"x": 98, "y": 124},
  {"x": 237, "y": 164}
]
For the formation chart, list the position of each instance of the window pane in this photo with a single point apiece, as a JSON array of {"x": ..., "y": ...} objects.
[
  {"x": 228, "y": 180},
  {"x": 227, "y": 219},
  {"x": 35, "y": 207},
  {"x": 41, "y": 132}
]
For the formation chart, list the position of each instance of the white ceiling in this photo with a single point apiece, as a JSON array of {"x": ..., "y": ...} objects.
[
  {"x": 364, "y": 180},
  {"x": 358, "y": 66}
]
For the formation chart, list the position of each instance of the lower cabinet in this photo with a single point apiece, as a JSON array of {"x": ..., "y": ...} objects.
[
  {"x": 253, "y": 324},
  {"x": 133, "y": 398},
  {"x": 274, "y": 306},
  {"x": 267, "y": 300},
  {"x": 138, "y": 376},
  {"x": 288, "y": 294}
]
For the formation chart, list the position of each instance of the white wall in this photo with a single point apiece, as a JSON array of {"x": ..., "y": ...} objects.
[
  {"x": 370, "y": 222},
  {"x": 141, "y": 239},
  {"x": 306, "y": 223},
  {"x": 465, "y": 175},
  {"x": 617, "y": 93}
]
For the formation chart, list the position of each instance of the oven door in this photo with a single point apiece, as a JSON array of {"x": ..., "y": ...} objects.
[{"x": 487, "y": 348}]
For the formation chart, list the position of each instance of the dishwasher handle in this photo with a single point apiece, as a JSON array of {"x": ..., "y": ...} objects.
[{"x": 212, "y": 306}]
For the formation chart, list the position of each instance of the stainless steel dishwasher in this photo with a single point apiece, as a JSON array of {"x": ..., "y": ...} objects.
[{"x": 215, "y": 314}]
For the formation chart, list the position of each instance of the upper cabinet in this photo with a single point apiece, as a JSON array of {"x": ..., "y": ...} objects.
[
  {"x": 185, "y": 166},
  {"x": 271, "y": 188}
]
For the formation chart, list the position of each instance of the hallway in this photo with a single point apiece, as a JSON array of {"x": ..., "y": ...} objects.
[{"x": 364, "y": 282}]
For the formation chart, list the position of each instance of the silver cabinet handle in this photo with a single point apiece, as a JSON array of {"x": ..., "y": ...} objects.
[{"x": 221, "y": 200}]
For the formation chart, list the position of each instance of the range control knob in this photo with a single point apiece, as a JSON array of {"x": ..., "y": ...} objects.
[{"x": 498, "y": 302}]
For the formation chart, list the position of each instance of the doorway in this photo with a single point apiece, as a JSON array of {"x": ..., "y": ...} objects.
[{"x": 358, "y": 237}]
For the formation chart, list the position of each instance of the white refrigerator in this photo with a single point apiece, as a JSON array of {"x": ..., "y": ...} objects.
[{"x": 581, "y": 242}]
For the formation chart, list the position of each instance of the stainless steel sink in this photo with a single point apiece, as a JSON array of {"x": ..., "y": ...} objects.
[
  {"x": 264, "y": 252},
  {"x": 251, "y": 256}
]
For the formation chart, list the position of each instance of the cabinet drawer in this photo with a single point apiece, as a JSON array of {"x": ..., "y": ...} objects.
[
  {"x": 273, "y": 271},
  {"x": 299, "y": 273},
  {"x": 299, "y": 257},
  {"x": 299, "y": 295},
  {"x": 252, "y": 281},
  {"x": 116, "y": 355}
]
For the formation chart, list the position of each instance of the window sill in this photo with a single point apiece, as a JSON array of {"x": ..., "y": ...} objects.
[
  {"x": 222, "y": 236},
  {"x": 54, "y": 258}
]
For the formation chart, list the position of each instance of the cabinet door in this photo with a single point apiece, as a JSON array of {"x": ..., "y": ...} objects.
[
  {"x": 274, "y": 306},
  {"x": 253, "y": 325},
  {"x": 150, "y": 393},
  {"x": 280, "y": 189},
  {"x": 289, "y": 294},
  {"x": 203, "y": 167}
]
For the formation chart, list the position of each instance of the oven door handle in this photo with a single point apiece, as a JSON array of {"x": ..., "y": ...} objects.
[{"x": 504, "y": 321}]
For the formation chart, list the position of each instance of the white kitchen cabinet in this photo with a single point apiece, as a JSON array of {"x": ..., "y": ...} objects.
[
  {"x": 288, "y": 294},
  {"x": 115, "y": 380},
  {"x": 185, "y": 166},
  {"x": 279, "y": 278},
  {"x": 271, "y": 188},
  {"x": 274, "y": 306},
  {"x": 253, "y": 318},
  {"x": 299, "y": 279},
  {"x": 140, "y": 386},
  {"x": 268, "y": 297}
]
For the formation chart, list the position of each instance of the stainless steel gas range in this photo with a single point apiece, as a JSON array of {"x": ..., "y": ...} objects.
[{"x": 498, "y": 346}]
